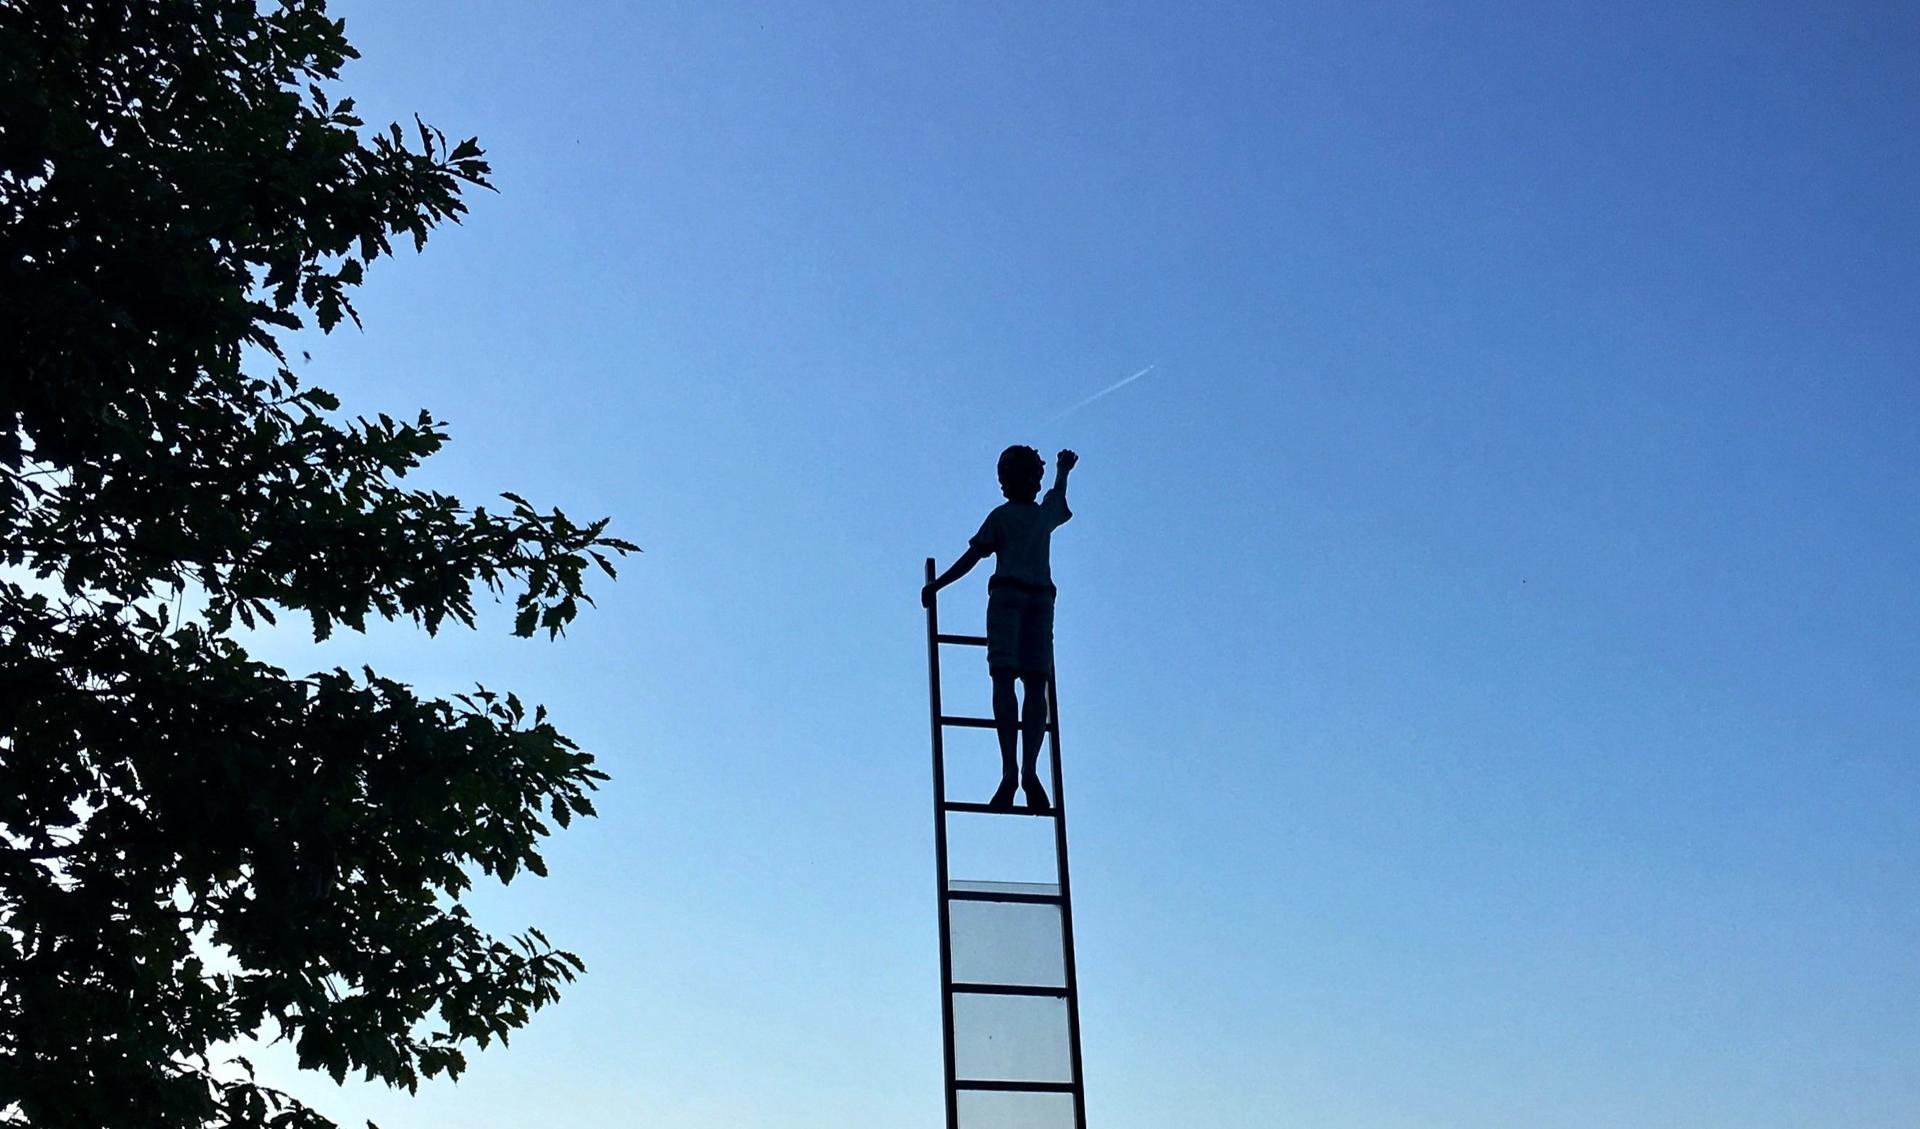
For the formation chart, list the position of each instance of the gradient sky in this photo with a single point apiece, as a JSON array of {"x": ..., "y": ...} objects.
[{"x": 1488, "y": 640}]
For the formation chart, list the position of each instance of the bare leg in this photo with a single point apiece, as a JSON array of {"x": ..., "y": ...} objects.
[
  {"x": 1006, "y": 712},
  {"x": 1034, "y": 729}
]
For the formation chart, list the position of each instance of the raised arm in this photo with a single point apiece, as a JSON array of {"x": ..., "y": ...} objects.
[
  {"x": 1056, "y": 500},
  {"x": 960, "y": 568}
]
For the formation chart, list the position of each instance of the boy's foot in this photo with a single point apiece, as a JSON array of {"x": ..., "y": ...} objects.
[
  {"x": 1036, "y": 795},
  {"x": 1004, "y": 797}
]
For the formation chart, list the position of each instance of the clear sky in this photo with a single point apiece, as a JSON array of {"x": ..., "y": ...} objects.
[{"x": 1488, "y": 638}]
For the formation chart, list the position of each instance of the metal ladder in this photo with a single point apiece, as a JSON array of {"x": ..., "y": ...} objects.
[{"x": 1035, "y": 1078}]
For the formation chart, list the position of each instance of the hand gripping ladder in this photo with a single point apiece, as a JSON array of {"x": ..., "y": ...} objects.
[{"x": 1017, "y": 1056}]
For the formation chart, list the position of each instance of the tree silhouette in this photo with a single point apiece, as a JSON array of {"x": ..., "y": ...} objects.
[{"x": 196, "y": 847}]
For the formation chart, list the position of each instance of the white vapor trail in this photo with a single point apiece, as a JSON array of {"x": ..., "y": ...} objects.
[{"x": 1109, "y": 389}]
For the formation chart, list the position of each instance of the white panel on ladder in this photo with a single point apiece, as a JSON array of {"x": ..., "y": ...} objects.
[
  {"x": 986, "y": 1109},
  {"x": 1006, "y": 943},
  {"x": 1011, "y": 1038}
]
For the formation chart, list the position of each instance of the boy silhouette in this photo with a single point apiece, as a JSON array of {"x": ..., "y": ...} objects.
[{"x": 1018, "y": 534}]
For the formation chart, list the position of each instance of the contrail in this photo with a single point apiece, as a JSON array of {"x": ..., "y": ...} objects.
[{"x": 1114, "y": 387}]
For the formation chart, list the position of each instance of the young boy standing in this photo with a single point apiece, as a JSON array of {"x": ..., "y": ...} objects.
[{"x": 1018, "y": 534}]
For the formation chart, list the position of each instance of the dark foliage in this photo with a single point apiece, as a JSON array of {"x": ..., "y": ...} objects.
[{"x": 194, "y": 846}]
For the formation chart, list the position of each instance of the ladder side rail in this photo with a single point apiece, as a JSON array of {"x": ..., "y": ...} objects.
[
  {"x": 1066, "y": 905},
  {"x": 940, "y": 857}
]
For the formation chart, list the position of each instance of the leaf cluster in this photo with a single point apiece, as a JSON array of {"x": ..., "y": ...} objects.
[{"x": 196, "y": 847}]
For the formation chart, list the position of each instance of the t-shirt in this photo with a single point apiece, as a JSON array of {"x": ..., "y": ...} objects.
[{"x": 1019, "y": 534}]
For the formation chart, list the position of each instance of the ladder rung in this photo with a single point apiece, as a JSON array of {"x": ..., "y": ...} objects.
[
  {"x": 964, "y": 640},
  {"x": 1003, "y": 896},
  {"x": 969, "y": 722},
  {"x": 989, "y": 809},
  {"x": 1016, "y": 1087},
  {"x": 978, "y": 722},
  {"x": 1011, "y": 990}
]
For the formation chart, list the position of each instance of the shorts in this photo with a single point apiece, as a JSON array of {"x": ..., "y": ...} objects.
[{"x": 1020, "y": 631}]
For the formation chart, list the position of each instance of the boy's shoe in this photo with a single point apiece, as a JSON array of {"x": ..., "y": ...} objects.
[
  {"x": 1004, "y": 797},
  {"x": 1036, "y": 795}
]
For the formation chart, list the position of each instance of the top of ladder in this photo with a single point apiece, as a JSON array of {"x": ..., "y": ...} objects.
[{"x": 951, "y": 893}]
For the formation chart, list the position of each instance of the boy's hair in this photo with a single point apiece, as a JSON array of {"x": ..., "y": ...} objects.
[{"x": 1021, "y": 469}]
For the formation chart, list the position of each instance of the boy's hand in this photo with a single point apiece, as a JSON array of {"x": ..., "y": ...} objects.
[
  {"x": 926, "y": 595},
  {"x": 1066, "y": 460}
]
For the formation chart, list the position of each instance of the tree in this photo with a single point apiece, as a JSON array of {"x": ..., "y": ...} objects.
[{"x": 196, "y": 847}]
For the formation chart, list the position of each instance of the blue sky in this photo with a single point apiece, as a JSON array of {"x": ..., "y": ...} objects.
[{"x": 1489, "y": 652}]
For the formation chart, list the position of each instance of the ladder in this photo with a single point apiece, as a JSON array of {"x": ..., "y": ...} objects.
[{"x": 1014, "y": 1058}]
